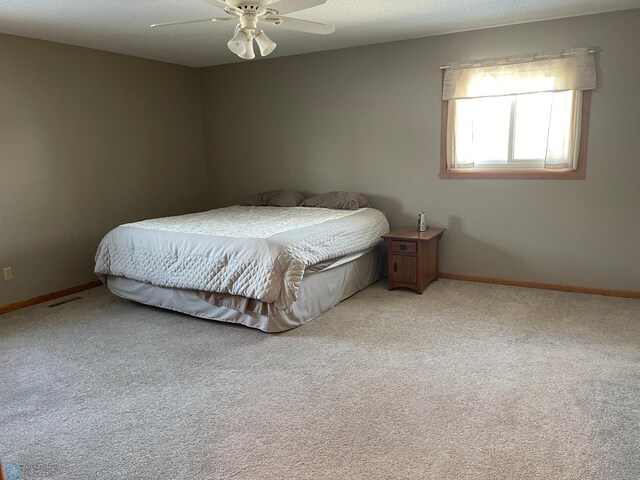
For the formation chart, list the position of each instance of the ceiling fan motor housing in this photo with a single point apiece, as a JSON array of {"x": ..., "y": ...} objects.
[
  {"x": 252, "y": 8},
  {"x": 257, "y": 7}
]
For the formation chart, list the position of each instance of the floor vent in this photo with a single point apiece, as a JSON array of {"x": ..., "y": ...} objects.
[{"x": 62, "y": 302}]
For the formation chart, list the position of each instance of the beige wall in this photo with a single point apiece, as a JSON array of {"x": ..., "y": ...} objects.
[
  {"x": 88, "y": 140},
  {"x": 368, "y": 119}
]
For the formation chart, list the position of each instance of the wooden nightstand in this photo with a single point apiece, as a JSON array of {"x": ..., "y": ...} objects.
[{"x": 412, "y": 257}]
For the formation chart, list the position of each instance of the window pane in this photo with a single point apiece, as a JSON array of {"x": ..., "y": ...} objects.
[
  {"x": 542, "y": 125},
  {"x": 533, "y": 114},
  {"x": 482, "y": 130}
]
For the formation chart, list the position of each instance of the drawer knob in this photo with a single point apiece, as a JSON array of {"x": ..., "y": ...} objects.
[
  {"x": 403, "y": 247},
  {"x": 395, "y": 267}
]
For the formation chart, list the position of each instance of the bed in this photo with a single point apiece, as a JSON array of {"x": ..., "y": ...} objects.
[{"x": 270, "y": 268}]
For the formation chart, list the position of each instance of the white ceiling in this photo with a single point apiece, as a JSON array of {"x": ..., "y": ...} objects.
[{"x": 122, "y": 26}]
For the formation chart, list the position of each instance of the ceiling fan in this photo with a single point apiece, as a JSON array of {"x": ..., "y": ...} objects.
[{"x": 250, "y": 12}]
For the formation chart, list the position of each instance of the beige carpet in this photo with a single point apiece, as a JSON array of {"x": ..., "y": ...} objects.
[{"x": 468, "y": 381}]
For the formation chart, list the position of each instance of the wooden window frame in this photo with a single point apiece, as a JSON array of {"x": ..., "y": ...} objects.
[{"x": 517, "y": 173}]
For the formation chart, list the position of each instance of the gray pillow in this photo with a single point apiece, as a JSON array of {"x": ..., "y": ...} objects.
[
  {"x": 274, "y": 198},
  {"x": 337, "y": 200}
]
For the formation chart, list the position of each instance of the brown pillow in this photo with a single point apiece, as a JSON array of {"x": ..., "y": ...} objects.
[
  {"x": 337, "y": 200},
  {"x": 274, "y": 198}
]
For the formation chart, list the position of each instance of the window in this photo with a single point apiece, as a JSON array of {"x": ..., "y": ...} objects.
[{"x": 523, "y": 120}]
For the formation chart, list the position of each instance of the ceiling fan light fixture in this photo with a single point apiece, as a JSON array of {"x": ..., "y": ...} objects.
[
  {"x": 265, "y": 44},
  {"x": 240, "y": 44},
  {"x": 248, "y": 52}
]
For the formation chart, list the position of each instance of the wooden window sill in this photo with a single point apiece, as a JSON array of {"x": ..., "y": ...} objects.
[{"x": 520, "y": 173}]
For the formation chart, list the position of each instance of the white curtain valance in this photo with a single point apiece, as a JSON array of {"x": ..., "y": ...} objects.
[{"x": 572, "y": 70}]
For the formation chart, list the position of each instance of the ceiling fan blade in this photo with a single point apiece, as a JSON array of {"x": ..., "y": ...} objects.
[
  {"x": 301, "y": 25},
  {"x": 289, "y": 6},
  {"x": 215, "y": 19}
]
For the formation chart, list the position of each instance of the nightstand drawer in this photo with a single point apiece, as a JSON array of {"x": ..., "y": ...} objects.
[{"x": 399, "y": 246}]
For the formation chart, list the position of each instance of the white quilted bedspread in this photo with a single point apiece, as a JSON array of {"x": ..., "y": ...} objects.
[{"x": 256, "y": 252}]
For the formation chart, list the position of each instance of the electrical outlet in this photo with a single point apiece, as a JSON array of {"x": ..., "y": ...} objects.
[{"x": 8, "y": 273}]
